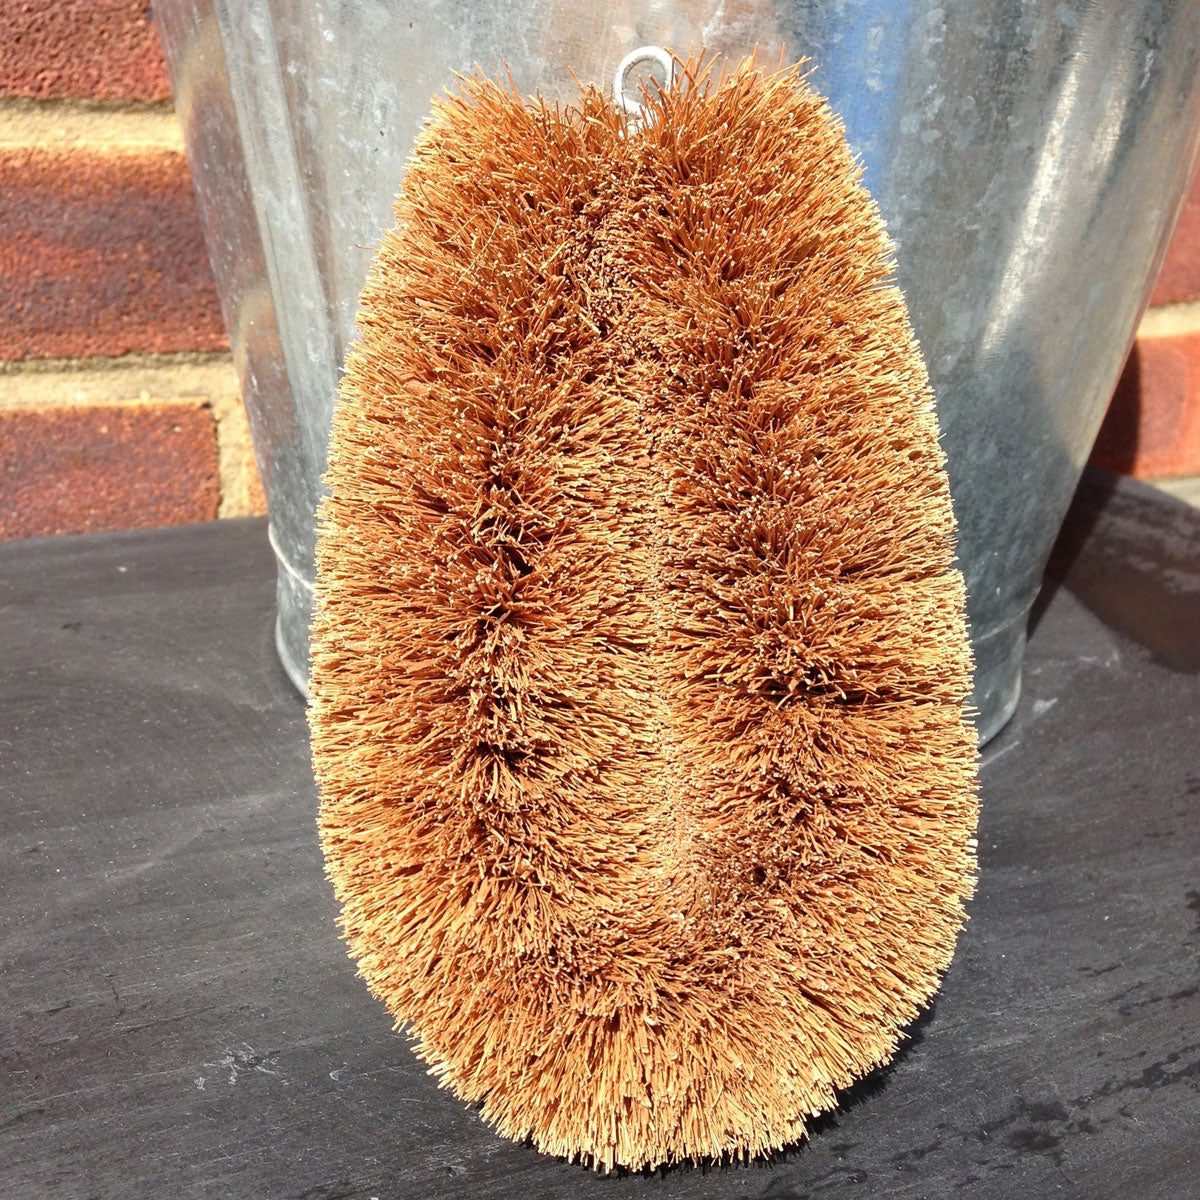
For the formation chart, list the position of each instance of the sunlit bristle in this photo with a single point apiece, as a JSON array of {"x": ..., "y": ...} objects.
[{"x": 639, "y": 661}]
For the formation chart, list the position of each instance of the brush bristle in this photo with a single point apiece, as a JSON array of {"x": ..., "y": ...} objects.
[{"x": 639, "y": 665}]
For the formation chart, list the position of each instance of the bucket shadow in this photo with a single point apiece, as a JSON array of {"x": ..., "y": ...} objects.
[
  {"x": 1114, "y": 454},
  {"x": 1131, "y": 556}
]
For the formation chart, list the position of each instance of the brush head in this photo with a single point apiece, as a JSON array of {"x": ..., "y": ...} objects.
[{"x": 639, "y": 660}]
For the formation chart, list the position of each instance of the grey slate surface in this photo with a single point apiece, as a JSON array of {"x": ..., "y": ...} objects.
[{"x": 179, "y": 1018}]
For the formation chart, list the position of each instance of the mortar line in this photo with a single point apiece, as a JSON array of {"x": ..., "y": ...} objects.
[
  {"x": 1167, "y": 319},
  {"x": 119, "y": 128},
  {"x": 113, "y": 362}
]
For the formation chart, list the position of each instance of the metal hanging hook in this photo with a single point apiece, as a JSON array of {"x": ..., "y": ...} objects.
[{"x": 651, "y": 56}]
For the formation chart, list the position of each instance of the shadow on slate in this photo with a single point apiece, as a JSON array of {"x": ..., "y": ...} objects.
[{"x": 180, "y": 1018}]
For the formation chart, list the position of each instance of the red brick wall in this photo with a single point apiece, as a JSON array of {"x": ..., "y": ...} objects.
[
  {"x": 1153, "y": 424},
  {"x": 94, "y": 49},
  {"x": 118, "y": 401},
  {"x": 102, "y": 253}
]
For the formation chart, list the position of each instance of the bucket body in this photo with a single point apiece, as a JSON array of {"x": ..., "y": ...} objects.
[{"x": 1028, "y": 157}]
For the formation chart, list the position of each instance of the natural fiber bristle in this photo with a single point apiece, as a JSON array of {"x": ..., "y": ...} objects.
[{"x": 639, "y": 663}]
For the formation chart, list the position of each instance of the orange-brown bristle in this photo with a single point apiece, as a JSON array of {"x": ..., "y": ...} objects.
[{"x": 639, "y": 662}]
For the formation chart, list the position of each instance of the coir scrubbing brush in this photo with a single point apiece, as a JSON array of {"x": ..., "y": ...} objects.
[{"x": 639, "y": 661}]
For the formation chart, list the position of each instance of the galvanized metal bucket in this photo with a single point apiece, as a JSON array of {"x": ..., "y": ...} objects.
[{"x": 1028, "y": 157}]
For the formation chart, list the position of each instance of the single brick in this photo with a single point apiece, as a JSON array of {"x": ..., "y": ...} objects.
[
  {"x": 102, "y": 254},
  {"x": 1179, "y": 279},
  {"x": 95, "y": 49},
  {"x": 1152, "y": 427},
  {"x": 83, "y": 468},
  {"x": 212, "y": 380}
]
